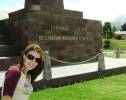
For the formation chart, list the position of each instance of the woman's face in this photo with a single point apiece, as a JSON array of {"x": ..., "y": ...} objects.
[{"x": 31, "y": 59}]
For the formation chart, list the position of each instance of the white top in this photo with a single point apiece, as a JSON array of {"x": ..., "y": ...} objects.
[
  {"x": 16, "y": 84},
  {"x": 23, "y": 88}
]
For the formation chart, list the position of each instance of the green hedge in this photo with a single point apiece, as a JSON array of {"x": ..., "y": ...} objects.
[{"x": 114, "y": 44}]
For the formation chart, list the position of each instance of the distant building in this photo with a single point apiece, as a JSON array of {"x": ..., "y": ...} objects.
[{"x": 121, "y": 35}]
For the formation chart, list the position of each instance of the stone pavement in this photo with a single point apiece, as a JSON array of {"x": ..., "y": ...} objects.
[{"x": 64, "y": 71}]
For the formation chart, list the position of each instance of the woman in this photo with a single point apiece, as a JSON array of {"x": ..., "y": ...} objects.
[{"x": 18, "y": 78}]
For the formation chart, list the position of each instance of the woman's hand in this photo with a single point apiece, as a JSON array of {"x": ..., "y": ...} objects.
[{"x": 6, "y": 98}]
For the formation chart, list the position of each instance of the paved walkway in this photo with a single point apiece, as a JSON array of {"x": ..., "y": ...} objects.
[{"x": 79, "y": 69}]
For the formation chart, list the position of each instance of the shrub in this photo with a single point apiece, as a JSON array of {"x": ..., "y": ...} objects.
[{"x": 107, "y": 44}]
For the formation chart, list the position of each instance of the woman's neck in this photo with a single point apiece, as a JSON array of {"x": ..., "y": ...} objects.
[{"x": 24, "y": 70}]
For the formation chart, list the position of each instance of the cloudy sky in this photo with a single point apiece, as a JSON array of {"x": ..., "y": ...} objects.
[{"x": 104, "y": 10}]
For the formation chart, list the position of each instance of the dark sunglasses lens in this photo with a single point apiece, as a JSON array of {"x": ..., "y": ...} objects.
[
  {"x": 37, "y": 60},
  {"x": 30, "y": 57}
]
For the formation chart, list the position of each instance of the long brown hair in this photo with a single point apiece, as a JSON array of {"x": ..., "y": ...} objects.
[{"x": 38, "y": 69}]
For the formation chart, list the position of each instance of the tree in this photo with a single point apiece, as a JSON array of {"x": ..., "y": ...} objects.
[
  {"x": 123, "y": 27},
  {"x": 114, "y": 29},
  {"x": 107, "y": 30}
]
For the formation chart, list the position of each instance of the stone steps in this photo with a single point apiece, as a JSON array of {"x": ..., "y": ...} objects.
[
  {"x": 8, "y": 53},
  {"x": 2, "y": 40},
  {"x": 8, "y": 50},
  {"x": 5, "y": 62}
]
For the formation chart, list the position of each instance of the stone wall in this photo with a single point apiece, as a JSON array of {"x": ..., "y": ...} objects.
[
  {"x": 66, "y": 38},
  {"x": 64, "y": 33}
]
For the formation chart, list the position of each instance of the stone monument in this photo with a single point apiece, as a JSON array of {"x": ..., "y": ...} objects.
[{"x": 64, "y": 33}]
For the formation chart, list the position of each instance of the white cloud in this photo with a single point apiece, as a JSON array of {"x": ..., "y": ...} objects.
[
  {"x": 6, "y": 9},
  {"x": 105, "y": 10},
  {"x": 3, "y": 14},
  {"x": 13, "y": 8},
  {"x": 11, "y": 5}
]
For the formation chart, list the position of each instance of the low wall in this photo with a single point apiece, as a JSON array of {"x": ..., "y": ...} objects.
[{"x": 77, "y": 78}]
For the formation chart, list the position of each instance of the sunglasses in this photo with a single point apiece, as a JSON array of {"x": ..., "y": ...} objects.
[{"x": 31, "y": 57}]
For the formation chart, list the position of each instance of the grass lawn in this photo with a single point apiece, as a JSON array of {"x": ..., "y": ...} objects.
[
  {"x": 118, "y": 44},
  {"x": 109, "y": 88},
  {"x": 121, "y": 44},
  {"x": 113, "y": 55}
]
